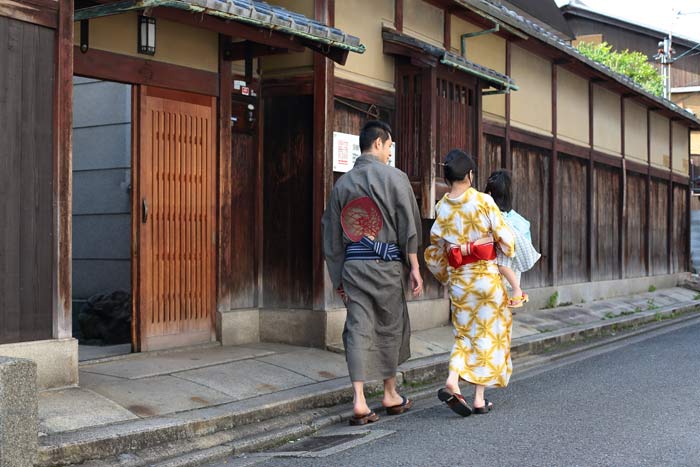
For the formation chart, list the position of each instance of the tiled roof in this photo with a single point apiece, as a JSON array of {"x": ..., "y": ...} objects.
[
  {"x": 494, "y": 78},
  {"x": 500, "y": 13},
  {"x": 246, "y": 11}
]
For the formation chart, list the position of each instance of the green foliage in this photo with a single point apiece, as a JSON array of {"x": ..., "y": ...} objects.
[
  {"x": 652, "y": 288},
  {"x": 697, "y": 296},
  {"x": 553, "y": 300},
  {"x": 651, "y": 305},
  {"x": 632, "y": 64}
]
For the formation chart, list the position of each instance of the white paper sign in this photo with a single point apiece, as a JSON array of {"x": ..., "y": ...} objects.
[{"x": 346, "y": 149}]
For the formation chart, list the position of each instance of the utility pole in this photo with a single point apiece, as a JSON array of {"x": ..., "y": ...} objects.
[{"x": 666, "y": 52}]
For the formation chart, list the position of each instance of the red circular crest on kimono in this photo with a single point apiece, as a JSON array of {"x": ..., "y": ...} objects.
[{"x": 361, "y": 217}]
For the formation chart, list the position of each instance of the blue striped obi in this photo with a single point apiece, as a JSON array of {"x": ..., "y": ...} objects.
[{"x": 367, "y": 249}]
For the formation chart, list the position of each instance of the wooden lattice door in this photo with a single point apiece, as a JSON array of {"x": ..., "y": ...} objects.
[{"x": 176, "y": 219}]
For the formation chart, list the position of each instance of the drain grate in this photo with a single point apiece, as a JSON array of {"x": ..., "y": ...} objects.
[{"x": 319, "y": 443}]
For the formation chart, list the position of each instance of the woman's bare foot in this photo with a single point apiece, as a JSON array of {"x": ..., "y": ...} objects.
[{"x": 392, "y": 399}]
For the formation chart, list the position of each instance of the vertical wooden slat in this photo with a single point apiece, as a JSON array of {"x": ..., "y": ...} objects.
[
  {"x": 322, "y": 143},
  {"x": 63, "y": 172},
  {"x": 447, "y": 30},
  {"x": 507, "y": 157},
  {"x": 622, "y": 231},
  {"x": 590, "y": 184},
  {"x": 225, "y": 225},
  {"x": 669, "y": 235},
  {"x": 398, "y": 15},
  {"x": 136, "y": 210},
  {"x": 554, "y": 213},
  {"x": 647, "y": 225}
]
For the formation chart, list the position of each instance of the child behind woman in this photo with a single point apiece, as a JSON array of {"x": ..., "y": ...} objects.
[{"x": 499, "y": 187}]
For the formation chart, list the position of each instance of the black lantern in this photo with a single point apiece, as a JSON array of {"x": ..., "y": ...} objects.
[{"x": 147, "y": 35}]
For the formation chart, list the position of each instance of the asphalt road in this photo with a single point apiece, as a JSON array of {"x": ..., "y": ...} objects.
[{"x": 636, "y": 405}]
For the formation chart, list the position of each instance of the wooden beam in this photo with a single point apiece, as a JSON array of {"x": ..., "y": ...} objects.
[
  {"x": 554, "y": 213},
  {"x": 507, "y": 159},
  {"x": 622, "y": 227},
  {"x": 495, "y": 129},
  {"x": 669, "y": 227},
  {"x": 398, "y": 15},
  {"x": 235, "y": 51},
  {"x": 647, "y": 224},
  {"x": 322, "y": 157},
  {"x": 42, "y": 12},
  {"x": 589, "y": 192},
  {"x": 63, "y": 174},
  {"x": 428, "y": 130},
  {"x": 126, "y": 69},
  {"x": 363, "y": 93},
  {"x": 447, "y": 30},
  {"x": 225, "y": 225}
]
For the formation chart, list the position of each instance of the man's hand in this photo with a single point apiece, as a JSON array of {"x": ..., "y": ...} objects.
[
  {"x": 341, "y": 292},
  {"x": 416, "y": 282},
  {"x": 415, "y": 278}
]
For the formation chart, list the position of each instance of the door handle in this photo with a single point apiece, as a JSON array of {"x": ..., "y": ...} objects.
[{"x": 144, "y": 211}]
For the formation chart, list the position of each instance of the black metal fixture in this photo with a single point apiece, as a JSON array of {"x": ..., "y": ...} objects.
[
  {"x": 84, "y": 35},
  {"x": 147, "y": 35}
]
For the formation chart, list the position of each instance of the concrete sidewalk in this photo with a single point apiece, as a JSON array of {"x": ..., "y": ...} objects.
[{"x": 189, "y": 393}]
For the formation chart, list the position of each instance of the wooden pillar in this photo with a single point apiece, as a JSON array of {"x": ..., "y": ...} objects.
[
  {"x": 398, "y": 15},
  {"x": 447, "y": 30},
  {"x": 589, "y": 192},
  {"x": 554, "y": 213},
  {"x": 507, "y": 162},
  {"x": 224, "y": 282},
  {"x": 63, "y": 173},
  {"x": 647, "y": 225},
  {"x": 622, "y": 227},
  {"x": 669, "y": 224},
  {"x": 689, "y": 229},
  {"x": 322, "y": 147},
  {"x": 427, "y": 138}
]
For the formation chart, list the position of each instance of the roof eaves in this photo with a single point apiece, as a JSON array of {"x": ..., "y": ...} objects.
[
  {"x": 245, "y": 11},
  {"x": 500, "y": 13},
  {"x": 494, "y": 78}
]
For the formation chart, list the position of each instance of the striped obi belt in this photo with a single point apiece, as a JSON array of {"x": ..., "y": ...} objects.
[{"x": 367, "y": 249}]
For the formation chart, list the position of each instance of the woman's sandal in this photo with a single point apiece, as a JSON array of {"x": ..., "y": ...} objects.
[
  {"x": 485, "y": 409},
  {"x": 364, "y": 419},
  {"x": 518, "y": 302},
  {"x": 401, "y": 408},
  {"x": 455, "y": 402}
]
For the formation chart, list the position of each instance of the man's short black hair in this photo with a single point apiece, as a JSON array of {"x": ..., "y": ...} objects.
[
  {"x": 372, "y": 130},
  {"x": 499, "y": 187}
]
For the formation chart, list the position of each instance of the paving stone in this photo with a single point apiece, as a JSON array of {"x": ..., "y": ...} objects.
[
  {"x": 247, "y": 378},
  {"x": 160, "y": 365},
  {"x": 157, "y": 395},
  {"x": 316, "y": 364},
  {"x": 58, "y": 410}
]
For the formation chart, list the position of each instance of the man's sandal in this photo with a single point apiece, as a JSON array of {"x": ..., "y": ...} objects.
[
  {"x": 364, "y": 419},
  {"x": 401, "y": 408},
  {"x": 485, "y": 409},
  {"x": 518, "y": 302},
  {"x": 455, "y": 402}
]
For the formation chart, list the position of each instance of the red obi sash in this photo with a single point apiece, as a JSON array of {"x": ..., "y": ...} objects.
[{"x": 481, "y": 252}]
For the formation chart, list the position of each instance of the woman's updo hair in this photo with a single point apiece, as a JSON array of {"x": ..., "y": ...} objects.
[{"x": 457, "y": 165}]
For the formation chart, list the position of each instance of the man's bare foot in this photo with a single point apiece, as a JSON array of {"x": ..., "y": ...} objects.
[
  {"x": 392, "y": 400},
  {"x": 361, "y": 410}
]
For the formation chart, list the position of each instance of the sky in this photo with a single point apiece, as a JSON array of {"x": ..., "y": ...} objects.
[{"x": 658, "y": 14}]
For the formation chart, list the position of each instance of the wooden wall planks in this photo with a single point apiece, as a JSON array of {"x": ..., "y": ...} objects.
[{"x": 26, "y": 181}]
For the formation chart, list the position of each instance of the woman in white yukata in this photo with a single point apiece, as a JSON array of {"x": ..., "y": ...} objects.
[{"x": 467, "y": 229}]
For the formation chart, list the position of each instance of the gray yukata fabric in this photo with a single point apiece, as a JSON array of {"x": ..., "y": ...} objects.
[{"x": 377, "y": 328}]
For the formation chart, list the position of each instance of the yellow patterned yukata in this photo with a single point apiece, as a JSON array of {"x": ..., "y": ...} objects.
[{"x": 482, "y": 322}]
